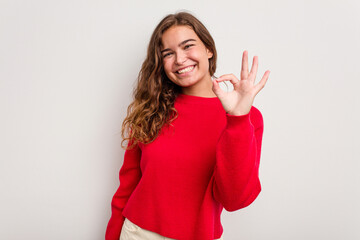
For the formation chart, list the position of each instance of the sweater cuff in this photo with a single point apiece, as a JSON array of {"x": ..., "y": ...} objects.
[{"x": 235, "y": 121}]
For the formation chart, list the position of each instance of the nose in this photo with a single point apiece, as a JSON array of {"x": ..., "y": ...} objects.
[{"x": 180, "y": 58}]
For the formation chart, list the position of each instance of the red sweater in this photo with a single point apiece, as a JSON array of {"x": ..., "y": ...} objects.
[{"x": 178, "y": 185}]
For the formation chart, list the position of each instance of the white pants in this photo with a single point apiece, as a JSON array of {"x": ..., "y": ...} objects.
[{"x": 131, "y": 231}]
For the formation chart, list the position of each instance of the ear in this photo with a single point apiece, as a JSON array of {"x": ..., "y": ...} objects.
[{"x": 209, "y": 53}]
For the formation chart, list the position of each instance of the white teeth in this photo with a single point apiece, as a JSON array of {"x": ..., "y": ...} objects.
[{"x": 188, "y": 69}]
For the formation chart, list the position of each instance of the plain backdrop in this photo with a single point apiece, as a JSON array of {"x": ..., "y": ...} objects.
[{"x": 67, "y": 70}]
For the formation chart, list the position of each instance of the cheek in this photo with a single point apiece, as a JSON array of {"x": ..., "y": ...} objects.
[
  {"x": 200, "y": 56},
  {"x": 167, "y": 66},
  {"x": 168, "y": 69}
]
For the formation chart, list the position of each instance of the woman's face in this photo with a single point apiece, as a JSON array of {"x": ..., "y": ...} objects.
[{"x": 185, "y": 58}]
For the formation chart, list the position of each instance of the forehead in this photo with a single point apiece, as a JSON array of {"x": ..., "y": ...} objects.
[{"x": 176, "y": 34}]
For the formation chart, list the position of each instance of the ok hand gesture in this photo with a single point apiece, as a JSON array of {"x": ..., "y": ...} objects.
[{"x": 239, "y": 101}]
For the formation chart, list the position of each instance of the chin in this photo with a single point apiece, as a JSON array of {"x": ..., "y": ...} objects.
[{"x": 186, "y": 83}]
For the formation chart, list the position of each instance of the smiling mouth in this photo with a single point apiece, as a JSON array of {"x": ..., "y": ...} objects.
[{"x": 185, "y": 70}]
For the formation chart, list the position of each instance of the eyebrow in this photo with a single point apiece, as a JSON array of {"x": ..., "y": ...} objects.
[{"x": 182, "y": 43}]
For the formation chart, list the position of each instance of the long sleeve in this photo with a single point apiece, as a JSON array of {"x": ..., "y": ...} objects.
[
  {"x": 129, "y": 175},
  {"x": 236, "y": 181}
]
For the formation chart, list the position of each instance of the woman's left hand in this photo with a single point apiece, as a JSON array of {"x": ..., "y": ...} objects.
[{"x": 239, "y": 101}]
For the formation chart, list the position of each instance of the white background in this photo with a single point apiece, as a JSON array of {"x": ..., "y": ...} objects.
[{"x": 67, "y": 69}]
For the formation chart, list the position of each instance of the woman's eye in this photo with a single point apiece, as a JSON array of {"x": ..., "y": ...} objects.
[
  {"x": 187, "y": 46},
  {"x": 166, "y": 55}
]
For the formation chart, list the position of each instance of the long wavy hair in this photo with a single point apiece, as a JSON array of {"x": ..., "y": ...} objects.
[{"x": 154, "y": 94}]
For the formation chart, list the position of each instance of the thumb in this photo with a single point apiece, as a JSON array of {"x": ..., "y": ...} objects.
[{"x": 216, "y": 88}]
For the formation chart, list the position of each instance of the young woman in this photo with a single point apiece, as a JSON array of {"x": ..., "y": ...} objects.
[{"x": 193, "y": 149}]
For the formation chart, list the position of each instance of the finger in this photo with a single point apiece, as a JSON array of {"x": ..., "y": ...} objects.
[
  {"x": 262, "y": 82},
  {"x": 254, "y": 67},
  {"x": 216, "y": 88},
  {"x": 228, "y": 77},
  {"x": 245, "y": 67}
]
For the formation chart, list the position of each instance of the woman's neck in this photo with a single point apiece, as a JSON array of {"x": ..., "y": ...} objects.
[{"x": 201, "y": 90}]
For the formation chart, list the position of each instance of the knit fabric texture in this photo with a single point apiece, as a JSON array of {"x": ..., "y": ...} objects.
[{"x": 178, "y": 185}]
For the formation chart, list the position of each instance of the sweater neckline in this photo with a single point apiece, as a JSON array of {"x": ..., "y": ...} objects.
[{"x": 184, "y": 98}]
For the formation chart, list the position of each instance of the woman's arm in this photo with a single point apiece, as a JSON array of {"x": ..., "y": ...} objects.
[
  {"x": 236, "y": 181},
  {"x": 129, "y": 175}
]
